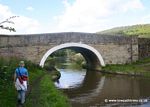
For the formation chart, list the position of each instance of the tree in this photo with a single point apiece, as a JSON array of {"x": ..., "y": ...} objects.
[{"x": 8, "y": 21}]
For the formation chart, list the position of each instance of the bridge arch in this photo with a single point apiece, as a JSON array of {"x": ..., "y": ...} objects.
[{"x": 80, "y": 47}]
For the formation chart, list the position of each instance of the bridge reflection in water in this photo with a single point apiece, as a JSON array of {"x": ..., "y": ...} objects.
[{"x": 91, "y": 88}]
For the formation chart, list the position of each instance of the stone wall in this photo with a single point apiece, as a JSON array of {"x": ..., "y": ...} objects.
[{"x": 144, "y": 47}]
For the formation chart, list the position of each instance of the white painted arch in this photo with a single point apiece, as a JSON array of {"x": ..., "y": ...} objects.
[{"x": 67, "y": 45}]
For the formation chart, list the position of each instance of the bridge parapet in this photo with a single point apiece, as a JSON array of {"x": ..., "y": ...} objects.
[{"x": 60, "y": 38}]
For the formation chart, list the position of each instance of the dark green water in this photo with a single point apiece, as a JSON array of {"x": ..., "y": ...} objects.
[{"x": 93, "y": 89}]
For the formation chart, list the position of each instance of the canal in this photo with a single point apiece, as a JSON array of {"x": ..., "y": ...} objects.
[{"x": 86, "y": 88}]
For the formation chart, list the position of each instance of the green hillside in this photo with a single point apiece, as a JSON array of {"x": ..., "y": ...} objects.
[{"x": 141, "y": 30}]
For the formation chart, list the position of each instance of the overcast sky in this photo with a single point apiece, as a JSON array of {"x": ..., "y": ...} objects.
[{"x": 46, "y": 16}]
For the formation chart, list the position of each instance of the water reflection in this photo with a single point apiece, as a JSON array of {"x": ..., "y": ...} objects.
[
  {"x": 70, "y": 78},
  {"x": 91, "y": 88}
]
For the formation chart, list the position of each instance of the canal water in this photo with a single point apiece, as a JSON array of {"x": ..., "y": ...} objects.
[{"x": 94, "y": 89}]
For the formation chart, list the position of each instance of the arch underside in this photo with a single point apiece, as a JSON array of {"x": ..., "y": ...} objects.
[
  {"x": 91, "y": 59},
  {"x": 91, "y": 55}
]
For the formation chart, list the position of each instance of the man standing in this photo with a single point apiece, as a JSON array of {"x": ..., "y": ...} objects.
[{"x": 20, "y": 80}]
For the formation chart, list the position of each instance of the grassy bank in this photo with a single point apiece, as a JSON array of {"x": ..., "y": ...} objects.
[
  {"x": 140, "y": 68},
  {"x": 8, "y": 93},
  {"x": 51, "y": 97},
  {"x": 46, "y": 95}
]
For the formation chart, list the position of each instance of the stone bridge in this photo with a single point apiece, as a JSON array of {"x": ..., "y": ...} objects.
[{"x": 97, "y": 49}]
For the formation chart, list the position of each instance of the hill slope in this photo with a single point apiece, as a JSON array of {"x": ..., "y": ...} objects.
[{"x": 141, "y": 30}]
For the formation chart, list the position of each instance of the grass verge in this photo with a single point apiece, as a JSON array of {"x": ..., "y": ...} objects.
[
  {"x": 46, "y": 95},
  {"x": 140, "y": 68}
]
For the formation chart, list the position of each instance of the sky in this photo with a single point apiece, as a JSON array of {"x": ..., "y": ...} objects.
[{"x": 49, "y": 16}]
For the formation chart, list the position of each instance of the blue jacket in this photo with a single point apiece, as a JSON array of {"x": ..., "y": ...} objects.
[{"x": 23, "y": 71}]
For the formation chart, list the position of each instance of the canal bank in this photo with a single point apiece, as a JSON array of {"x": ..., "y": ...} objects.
[{"x": 139, "y": 68}]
